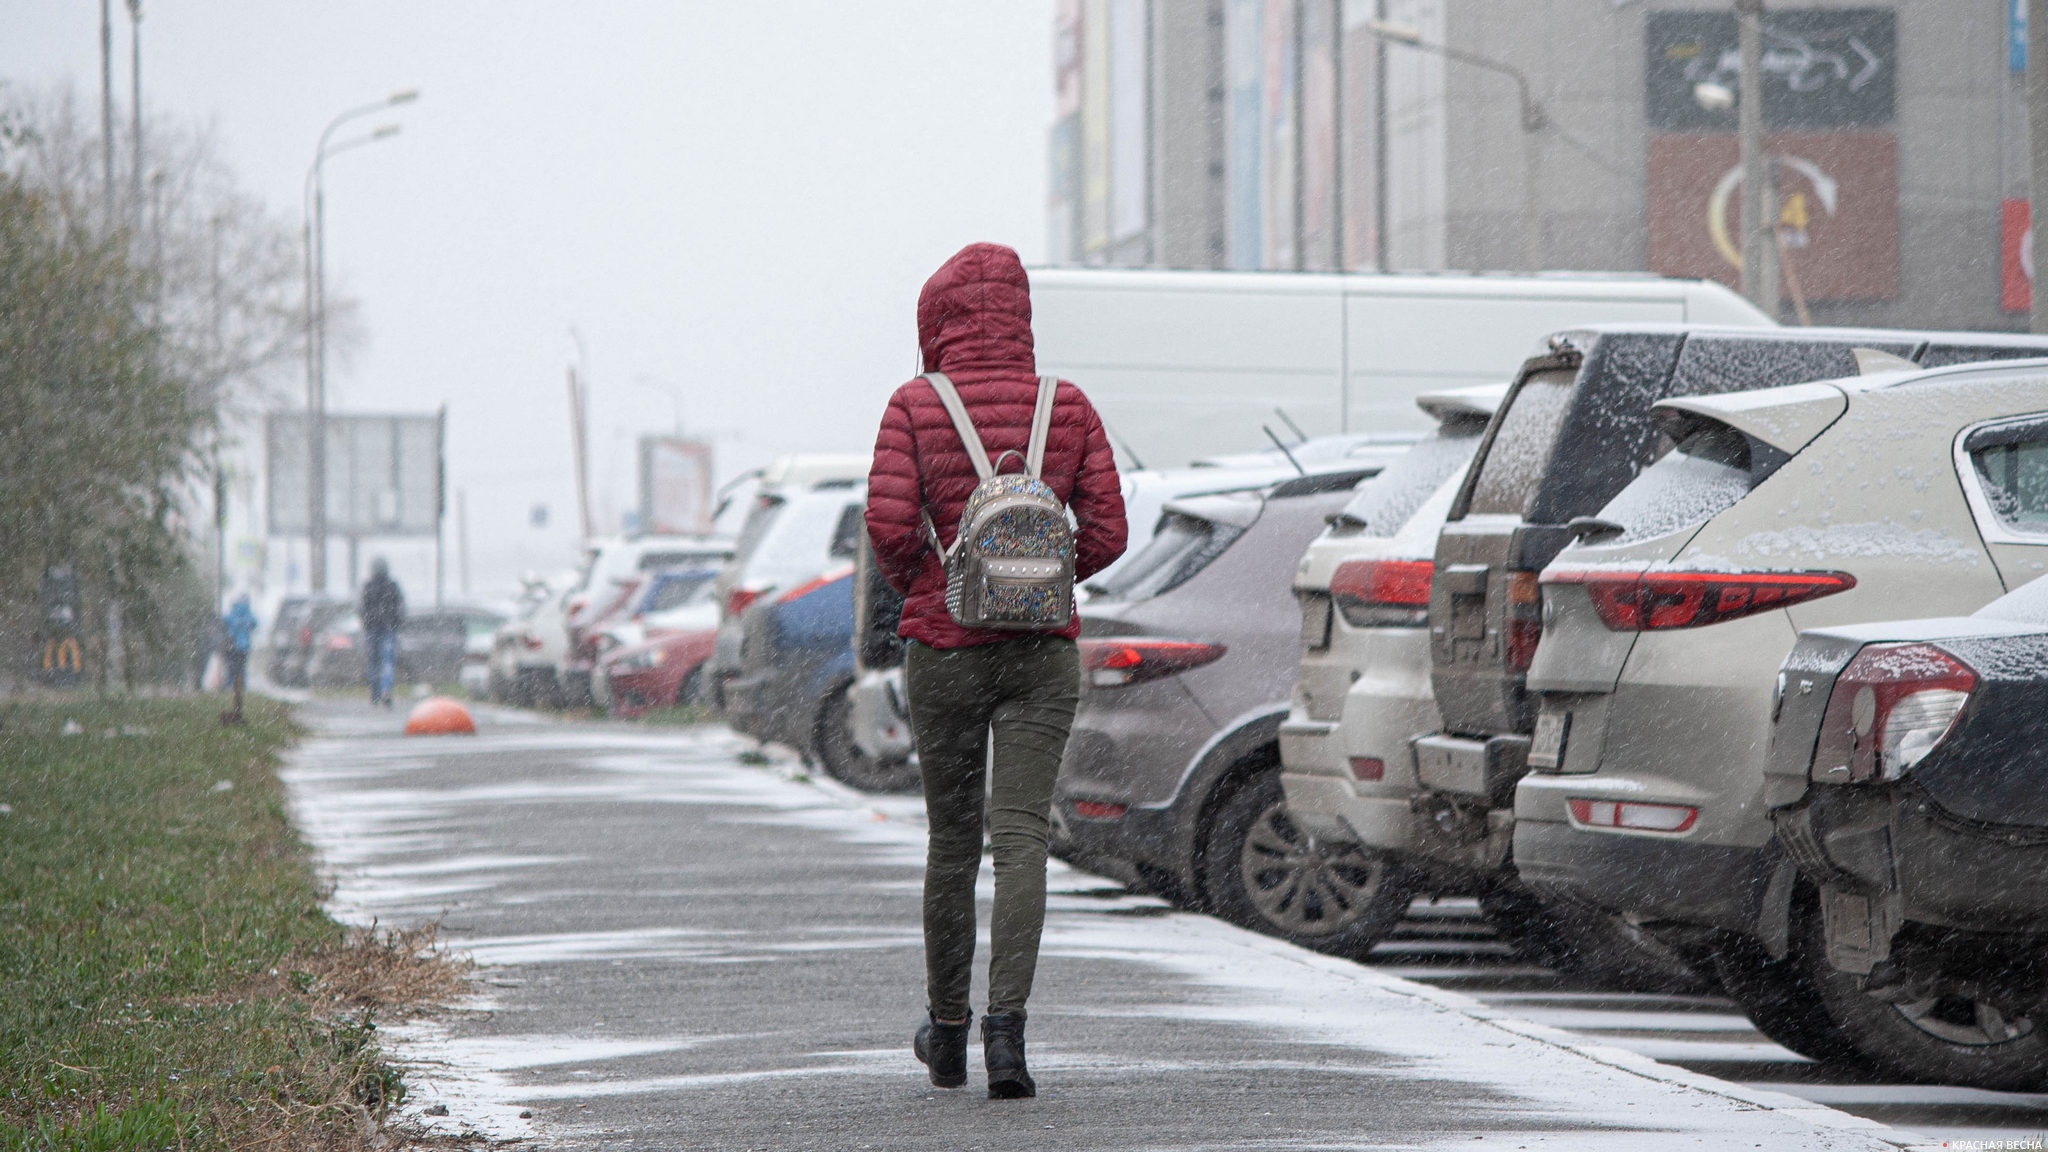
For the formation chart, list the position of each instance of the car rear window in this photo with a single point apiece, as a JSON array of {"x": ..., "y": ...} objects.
[
  {"x": 800, "y": 543},
  {"x": 1705, "y": 475},
  {"x": 2014, "y": 469},
  {"x": 1183, "y": 546},
  {"x": 676, "y": 591},
  {"x": 1522, "y": 445},
  {"x": 1385, "y": 502},
  {"x": 653, "y": 561}
]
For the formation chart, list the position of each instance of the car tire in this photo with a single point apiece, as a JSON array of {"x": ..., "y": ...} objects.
[
  {"x": 1781, "y": 999},
  {"x": 1936, "y": 1039},
  {"x": 1585, "y": 941},
  {"x": 833, "y": 744},
  {"x": 1262, "y": 871}
]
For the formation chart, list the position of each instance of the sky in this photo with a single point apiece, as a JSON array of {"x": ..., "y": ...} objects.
[{"x": 733, "y": 203}]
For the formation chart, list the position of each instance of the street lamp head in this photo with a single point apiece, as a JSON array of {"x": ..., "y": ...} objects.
[
  {"x": 385, "y": 132},
  {"x": 1394, "y": 30},
  {"x": 1713, "y": 97},
  {"x": 405, "y": 97}
]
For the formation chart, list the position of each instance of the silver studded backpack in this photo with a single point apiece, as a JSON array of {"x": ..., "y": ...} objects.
[{"x": 1011, "y": 566}]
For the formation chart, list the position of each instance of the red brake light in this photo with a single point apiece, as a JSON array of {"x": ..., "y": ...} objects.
[
  {"x": 1524, "y": 619},
  {"x": 1630, "y": 814},
  {"x": 339, "y": 642},
  {"x": 1368, "y": 768},
  {"x": 1383, "y": 592},
  {"x": 1096, "y": 810},
  {"x": 530, "y": 642},
  {"x": 737, "y": 600},
  {"x": 1115, "y": 663},
  {"x": 1890, "y": 707},
  {"x": 1651, "y": 601}
]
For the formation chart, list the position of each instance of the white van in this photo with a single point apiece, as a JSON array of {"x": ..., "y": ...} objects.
[{"x": 1185, "y": 364}]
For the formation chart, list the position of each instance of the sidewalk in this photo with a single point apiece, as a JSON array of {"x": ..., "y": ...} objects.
[{"x": 684, "y": 951}]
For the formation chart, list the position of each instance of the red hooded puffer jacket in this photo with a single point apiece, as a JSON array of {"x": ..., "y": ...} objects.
[{"x": 974, "y": 324}]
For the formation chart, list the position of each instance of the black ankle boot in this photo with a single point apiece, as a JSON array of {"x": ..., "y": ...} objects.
[
  {"x": 1002, "y": 1053},
  {"x": 943, "y": 1049}
]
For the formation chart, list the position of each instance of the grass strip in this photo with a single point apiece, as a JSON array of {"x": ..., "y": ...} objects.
[{"x": 167, "y": 976}]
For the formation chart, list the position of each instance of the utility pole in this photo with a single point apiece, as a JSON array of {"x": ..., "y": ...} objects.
[
  {"x": 1759, "y": 199},
  {"x": 135, "y": 99},
  {"x": 107, "y": 102},
  {"x": 577, "y": 412},
  {"x": 2037, "y": 136}
]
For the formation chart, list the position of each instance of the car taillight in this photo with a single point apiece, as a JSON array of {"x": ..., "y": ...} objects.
[
  {"x": 1888, "y": 710},
  {"x": 1115, "y": 663},
  {"x": 1524, "y": 620},
  {"x": 1096, "y": 810},
  {"x": 305, "y": 637},
  {"x": 1368, "y": 768},
  {"x": 530, "y": 642},
  {"x": 1381, "y": 593},
  {"x": 339, "y": 643},
  {"x": 1633, "y": 814},
  {"x": 1651, "y": 601},
  {"x": 737, "y": 600}
]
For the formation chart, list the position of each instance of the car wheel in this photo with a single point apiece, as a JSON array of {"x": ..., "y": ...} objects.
[
  {"x": 843, "y": 759},
  {"x": 1585, "y": 941},
  {"x": 1261, "y": 870},
  {"x": 1939, "y": 1031},
  {"x": 1782, "y": 1000}
]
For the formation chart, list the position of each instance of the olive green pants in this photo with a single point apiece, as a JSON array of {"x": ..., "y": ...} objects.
[{"x": 1023, "y": 693}]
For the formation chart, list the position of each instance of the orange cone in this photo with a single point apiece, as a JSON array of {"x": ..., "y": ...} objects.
[{"x": 440, "y": 716}]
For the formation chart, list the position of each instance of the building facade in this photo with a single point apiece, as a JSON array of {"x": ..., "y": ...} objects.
[{"x": 1480, "y": 135}]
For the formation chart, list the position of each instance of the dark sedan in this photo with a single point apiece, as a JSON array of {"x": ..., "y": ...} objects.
[{"x": 1909, "y": 786}]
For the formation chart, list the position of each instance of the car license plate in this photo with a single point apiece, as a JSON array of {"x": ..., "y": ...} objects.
[{"x": 1546, "y": 750}]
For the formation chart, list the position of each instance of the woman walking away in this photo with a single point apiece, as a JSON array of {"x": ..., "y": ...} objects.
[{"x": 992, "y": 655}]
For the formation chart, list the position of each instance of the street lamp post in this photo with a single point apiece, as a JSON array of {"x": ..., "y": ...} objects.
[
  {"x": 1534, "y": 120},
  {"x": 1759, "y": 198},
  {"x": 316, "y": 325}
]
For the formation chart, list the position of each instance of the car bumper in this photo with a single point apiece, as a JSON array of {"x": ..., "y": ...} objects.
[
  {"x": 1136, "y": 847},
  {"x": 1946, "y": 871},
  {"x": 1655, "y": 877}
]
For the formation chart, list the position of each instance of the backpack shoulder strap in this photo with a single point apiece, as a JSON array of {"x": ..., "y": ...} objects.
[
  {"x": 1041, "y": 426},
  {"x": 969, "y": 438}
]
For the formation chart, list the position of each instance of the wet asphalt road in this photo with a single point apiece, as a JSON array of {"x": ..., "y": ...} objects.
[{"x": 680, "y": 950}]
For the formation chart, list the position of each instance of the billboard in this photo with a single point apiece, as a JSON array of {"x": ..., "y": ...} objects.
[
  {"x": 1822, "y": 68},
  {"x": 383, "y": 474},
  {"x": 676, "y": 494},
  {"x": 1838, "y": 210}
]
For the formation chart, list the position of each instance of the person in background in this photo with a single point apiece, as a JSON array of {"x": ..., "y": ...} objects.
[
  {"x": 382, "y": 610},
  {"x": 238, "y": 632}
]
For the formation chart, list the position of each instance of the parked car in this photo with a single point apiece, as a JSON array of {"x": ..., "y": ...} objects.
[
  {"x": 659, "y": 672},
  {"x": 1807, "y": 506},
  {"x": 313, "y": 616},
  {"x": 284, "y": 631},
  {"x": 791, "y": 536},
  {"x": 527, "y": 648},
  {"x": 671, "y": 600},
  {"x": 1171, "y": 775},
  {"x": 1574, "y": 430},
  {"x": 433, "y": 646},
  {"x": 876, "y": 749},
  {"x": 1905, "y": 778},
  {"x": 614, "y": 570},
  {"x": 1362, "y": 690},
  {"x": 796, "y": 664}
]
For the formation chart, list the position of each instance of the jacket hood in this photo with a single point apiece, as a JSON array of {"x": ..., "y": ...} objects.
[{"x": 975, "y": 312}]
